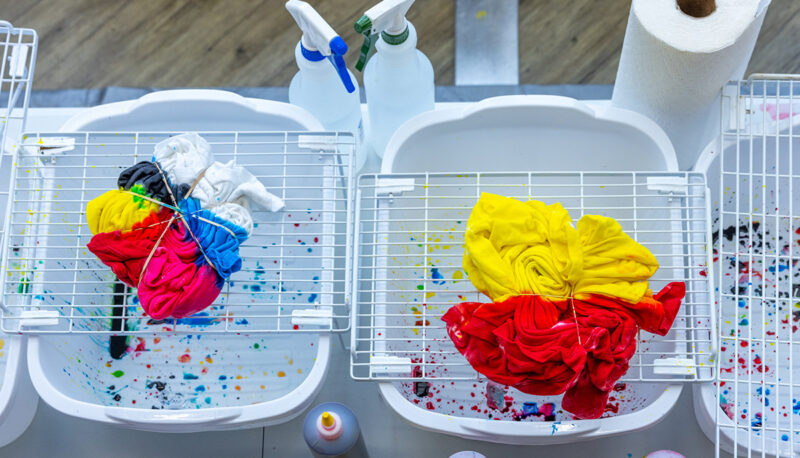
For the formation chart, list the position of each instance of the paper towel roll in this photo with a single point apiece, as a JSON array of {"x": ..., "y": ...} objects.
[{"x": 673, "y": 65}]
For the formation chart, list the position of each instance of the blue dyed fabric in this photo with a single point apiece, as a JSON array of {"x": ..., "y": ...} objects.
[{"x": 218, "y": 244}]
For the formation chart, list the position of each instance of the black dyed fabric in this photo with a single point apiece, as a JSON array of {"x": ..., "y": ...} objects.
[{"x": 146, "y": 174}]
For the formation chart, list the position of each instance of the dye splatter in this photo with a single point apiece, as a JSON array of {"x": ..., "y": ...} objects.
[
  {"x": 758, "y": 262},
  {"x": 221, "y": 370},
  {"x": 531, "y": 409}
]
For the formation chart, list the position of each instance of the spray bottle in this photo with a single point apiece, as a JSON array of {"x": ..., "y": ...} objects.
[
  {"x": 324, "y": 86},
  {"x": 398, "y": 79},
  {"x": 331, "y": 429}
]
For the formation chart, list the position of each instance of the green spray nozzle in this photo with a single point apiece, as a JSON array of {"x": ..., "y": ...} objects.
[{"x": 364, "y": 26}]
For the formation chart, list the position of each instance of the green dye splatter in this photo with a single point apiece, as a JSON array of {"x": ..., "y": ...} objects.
[
  {"x": 420, "y": 287},
  {"x": 118, "y": 374},
  {"x": 139, "y": 189},
  {"x": 24, "y": 286},
  {"x": 256, "y": 346}
]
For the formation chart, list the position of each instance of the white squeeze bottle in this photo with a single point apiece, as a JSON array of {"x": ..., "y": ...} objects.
[
  {"x": 398, "y": 79},
  {"x": 324, "y": 86}
]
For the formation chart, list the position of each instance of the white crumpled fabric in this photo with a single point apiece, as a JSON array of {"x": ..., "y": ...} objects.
[
  {"x": 183, "y": 157},
  {"x": 228, "y": 190}
]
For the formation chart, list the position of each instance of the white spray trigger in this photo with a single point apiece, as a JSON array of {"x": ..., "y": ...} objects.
[
  {"x": 389, "y": 16},
  {"x": 320, "y": 40}
]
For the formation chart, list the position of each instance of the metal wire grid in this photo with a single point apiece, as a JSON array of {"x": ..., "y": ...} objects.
[
  {"x": 759, "y": 298},
  {"x": 409, "y": 245},
  {"x": 294, "y": 274},
  {"x": 16, "y": 75}
]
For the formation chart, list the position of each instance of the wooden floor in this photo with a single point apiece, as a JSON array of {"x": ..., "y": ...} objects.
[{"x": 169, "y": 43}]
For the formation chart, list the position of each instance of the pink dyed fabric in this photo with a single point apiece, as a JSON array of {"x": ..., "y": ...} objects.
[{"x": 174, "y": 284}]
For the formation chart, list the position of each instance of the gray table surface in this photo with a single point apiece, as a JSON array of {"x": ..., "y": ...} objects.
[{"x": 386, "y": 434}]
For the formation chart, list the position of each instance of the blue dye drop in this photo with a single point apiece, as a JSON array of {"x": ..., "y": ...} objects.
[
  {"x": 530, "y": 408},
  {"x": 188, "y": 376},
  {"x": 785, "y": 437},
  {"x": 255, "y": 288},
  {"x": 223, "y": 377},
  {"x": 198, "y": 319},
  {"x": 200, "y": 388},
  {"x": 781, "y": 268},
  {"x": 312, "y": 298},
  {"x": 437, "y": 277},
  {"x": 208, "y": 400}
]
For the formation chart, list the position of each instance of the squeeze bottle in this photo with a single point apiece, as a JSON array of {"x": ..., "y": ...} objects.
[
  {"x": 398, "y": 79},
  {"x": 331, "y": 429},
  {"x": 324, "y": 86}
]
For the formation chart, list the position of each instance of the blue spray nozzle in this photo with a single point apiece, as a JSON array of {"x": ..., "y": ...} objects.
[
  {"x": 338, "y": 46},
  {"x": 338, "y": 49}
]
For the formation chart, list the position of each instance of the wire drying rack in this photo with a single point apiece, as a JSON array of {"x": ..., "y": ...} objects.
[
  {"x": 758, "y": 248},
  {"x": 294, "y": 274},
  {"x": 16, "y": 74},
  {"x": 407, "y": 270}
]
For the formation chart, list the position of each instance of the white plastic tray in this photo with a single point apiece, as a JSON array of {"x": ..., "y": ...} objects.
[
  {"x": 224, "y": 381},
  {"x": 537, "y": 134}
]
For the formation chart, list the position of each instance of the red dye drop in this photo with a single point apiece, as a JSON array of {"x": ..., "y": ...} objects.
[
  {"x": 612, "y": 408},
  {"x": 184, "y": 358}
]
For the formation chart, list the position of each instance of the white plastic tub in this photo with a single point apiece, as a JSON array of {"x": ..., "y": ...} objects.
[
  {"x": 18, "y": 399},
  {"x": 757, "y": 410},
  {"x": 521, "y": 133},
  {"x": 183, "y": 383}
]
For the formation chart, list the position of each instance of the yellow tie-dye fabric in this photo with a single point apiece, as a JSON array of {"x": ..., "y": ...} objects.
[
  {"x": 514, "y": 247},
  {"x": 117, "y": 210}
]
